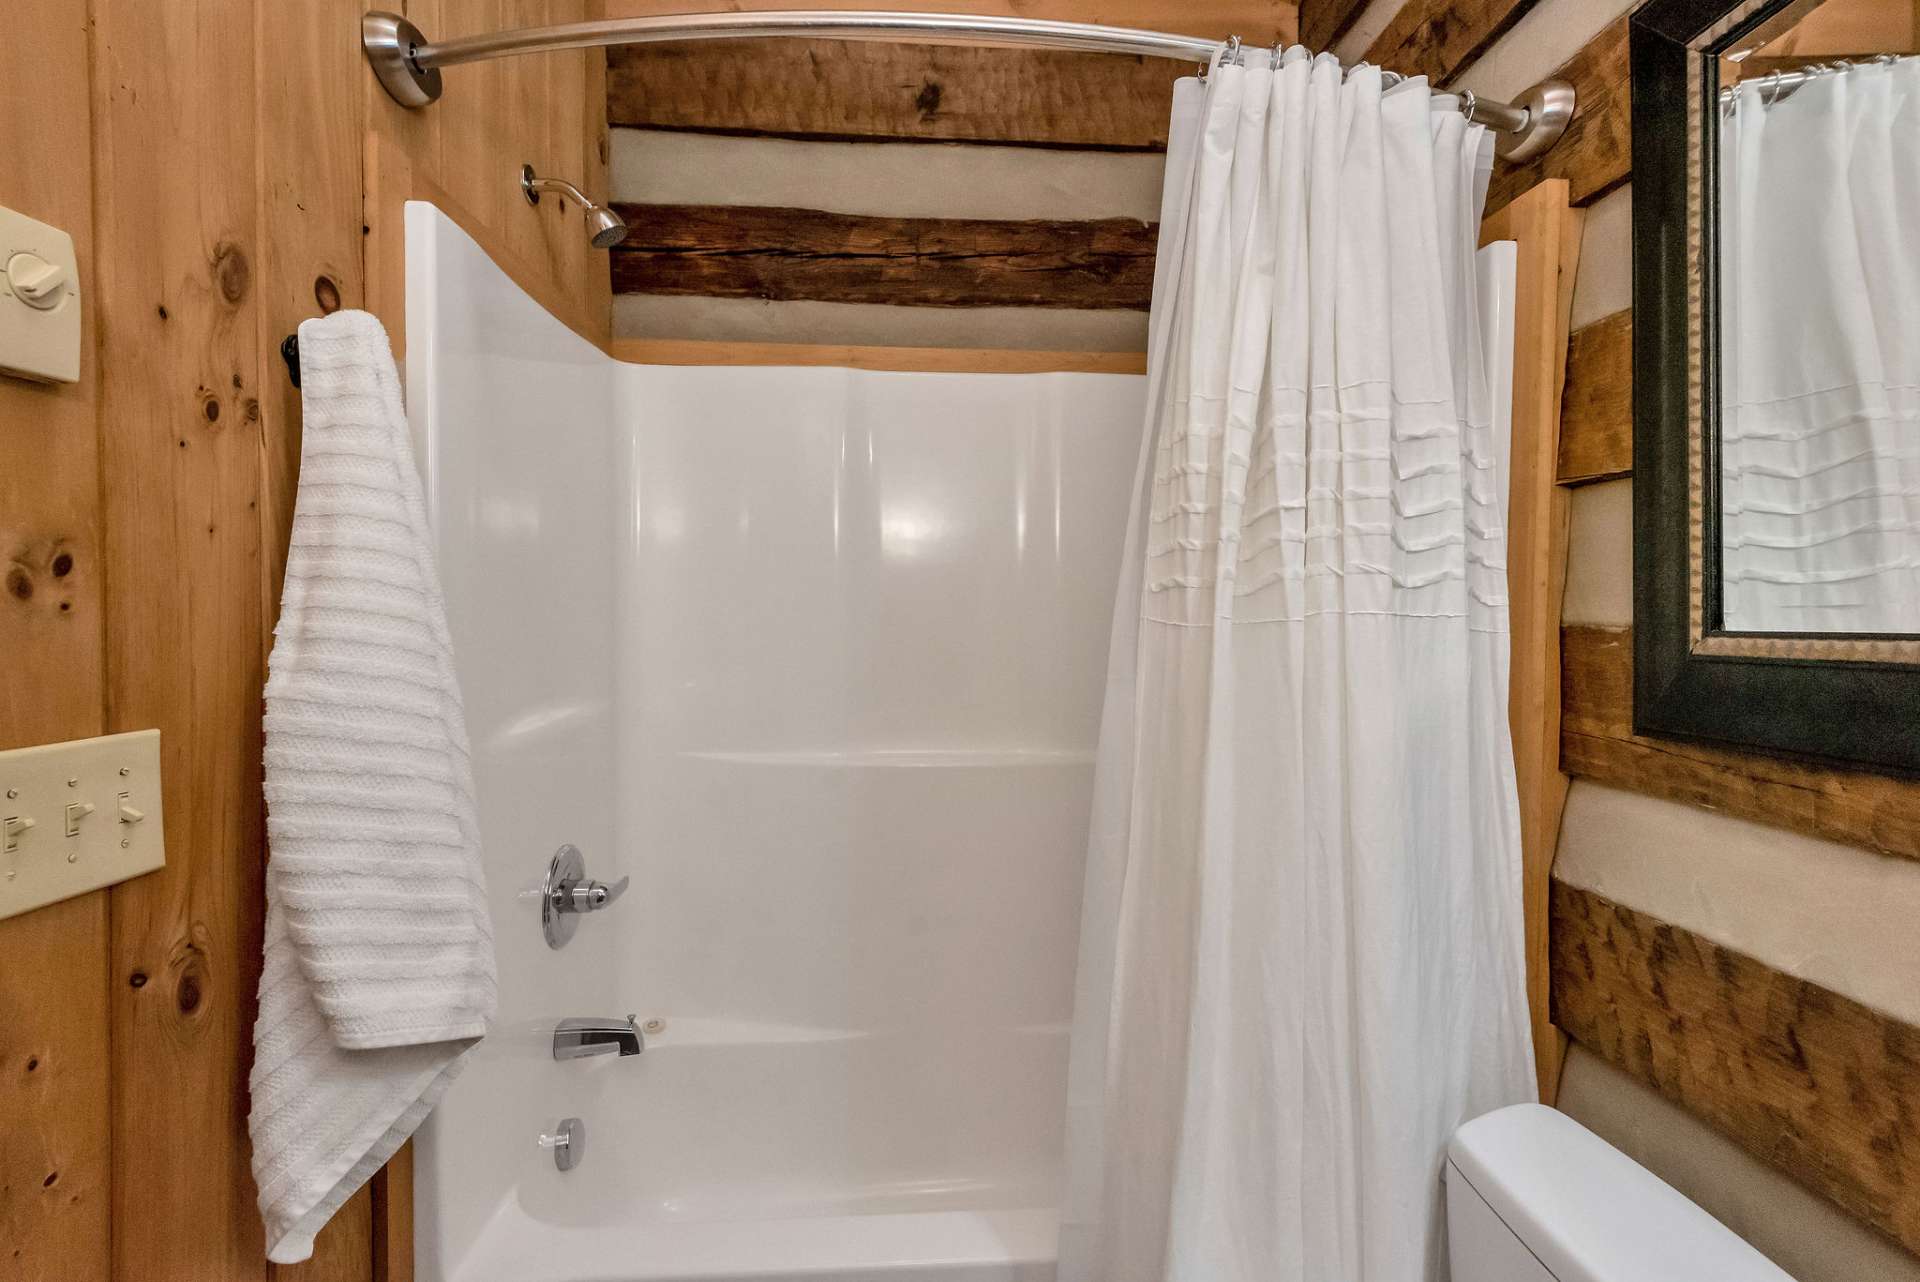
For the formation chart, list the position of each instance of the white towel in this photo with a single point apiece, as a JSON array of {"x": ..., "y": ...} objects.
[{"x": 379, "y": 973}]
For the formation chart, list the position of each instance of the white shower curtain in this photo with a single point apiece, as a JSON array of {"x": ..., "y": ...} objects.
[
  {"x": 1820, "y": 343},
  {"x": 1301, "y": 959}
]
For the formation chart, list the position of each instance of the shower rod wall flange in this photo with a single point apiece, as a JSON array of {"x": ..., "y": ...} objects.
[
  {"x": 407, "y": 64},
  {"x": 390, "y": 41}
]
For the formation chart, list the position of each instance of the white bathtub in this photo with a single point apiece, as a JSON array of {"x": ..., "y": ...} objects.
[
  {"x": 815, "y": 657},
  {"x": 930, "y": 1246}
]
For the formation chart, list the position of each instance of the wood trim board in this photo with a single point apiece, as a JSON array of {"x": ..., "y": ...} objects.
[
  {"x": 784, "y": 254},
  {"x": 1435, "y": 38},
  {"x": 941, "y": 360},
  {"x": 1596, "y": 425},
  {"x": 391, "y": 179},
  {"x": 1548, "y": 234},
  {"x": 1818, "y": 1085},
  {"x": 1874, "y": 811},
  {"x": 392, "y": 1193},
  {"x": 855, "y": 90}
]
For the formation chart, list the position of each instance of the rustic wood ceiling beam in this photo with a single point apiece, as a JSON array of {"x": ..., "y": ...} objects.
[{"x": 782, "y": 254}]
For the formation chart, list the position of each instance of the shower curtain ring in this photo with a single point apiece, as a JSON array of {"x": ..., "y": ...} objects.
[
  {"x": 1232, "y": 56},
  {"x": 1468, "y": 102}
]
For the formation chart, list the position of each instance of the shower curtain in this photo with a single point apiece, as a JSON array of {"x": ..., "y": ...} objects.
[
  {"x": 1301, "y": 959},
  {"x": 1820, "y": 345}
]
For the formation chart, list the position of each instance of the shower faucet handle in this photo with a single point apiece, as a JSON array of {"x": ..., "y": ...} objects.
[
  {"x": 592, "y": 896},
  {"x": 567, "y": 893}
]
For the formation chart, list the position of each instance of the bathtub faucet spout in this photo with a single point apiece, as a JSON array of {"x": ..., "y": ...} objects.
[{"x": 577, "y": 1037}]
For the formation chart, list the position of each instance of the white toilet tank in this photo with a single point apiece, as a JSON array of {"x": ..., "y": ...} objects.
[{"x": 1533, "y": 1196}]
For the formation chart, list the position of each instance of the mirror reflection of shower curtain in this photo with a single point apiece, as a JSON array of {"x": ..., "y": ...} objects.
[
  {"x": 1301, "y": 961},
  {"x": 1820, "y": 352}
]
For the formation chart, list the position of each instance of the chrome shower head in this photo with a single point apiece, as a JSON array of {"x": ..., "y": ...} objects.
[
  {"x": 608, "y": 228},
  {"x": 604, "y": 227}
]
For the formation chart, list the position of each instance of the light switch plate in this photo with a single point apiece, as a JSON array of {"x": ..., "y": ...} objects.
[
  {"x": 52, "y": 846},
  {"x": 38, "y": 342}
]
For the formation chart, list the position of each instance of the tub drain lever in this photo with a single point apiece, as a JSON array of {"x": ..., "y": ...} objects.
[{"x": 568, "y": 1142}]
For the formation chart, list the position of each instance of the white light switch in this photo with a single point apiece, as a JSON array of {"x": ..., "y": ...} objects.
[
  {"x": 78, "y": 816},
  {"x": 39, "y": 301}
]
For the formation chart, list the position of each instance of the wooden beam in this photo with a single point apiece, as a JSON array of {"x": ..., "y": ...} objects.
[
  {"x": 1596, "y": 427},
  {"x": 1595, "y": 154},
  {"x": 770, "y": 252},
  {"x": 1597, "y": 742},
  {"x": 1548, "y": 235},
  {"x": 1436, "y": 38},
  {"x": 1324, "y": 21},
  {"x": 1818, "y": 1085},
  {"x": 940, "y": 360},
  {"x": 863, "y": 90}
]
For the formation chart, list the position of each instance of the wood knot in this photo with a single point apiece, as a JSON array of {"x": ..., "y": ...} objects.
[
  {"x": 326, "y": 292},
  {"x": 19, "y": 583},
  {"x": 188, "y": 963},
  {"x": 138, "y": 979},
  {"x": 927, "y": 101},
  {"x": 232, "y": 273},
  {"x": 62, "y": 565},
  {"x": 209, "y": 406}
]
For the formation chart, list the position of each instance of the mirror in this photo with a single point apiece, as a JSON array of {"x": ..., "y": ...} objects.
[
  {"x": 1777, "y": 374},
  {"x": 1818, "y": 239}
]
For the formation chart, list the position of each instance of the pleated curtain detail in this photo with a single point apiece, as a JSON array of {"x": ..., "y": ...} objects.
[{"x": 1301, "y": 960}]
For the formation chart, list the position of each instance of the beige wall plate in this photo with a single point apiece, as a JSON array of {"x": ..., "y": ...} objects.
[
  {"x": 78, "y": 816},
  {"x": 39, "y": 301}
]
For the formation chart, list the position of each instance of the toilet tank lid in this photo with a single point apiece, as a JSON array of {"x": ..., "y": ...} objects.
[{"x": 1590, "y": 1212}]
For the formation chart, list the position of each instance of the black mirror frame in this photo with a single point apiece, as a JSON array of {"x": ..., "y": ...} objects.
[{"x": 1848, "y": 700}]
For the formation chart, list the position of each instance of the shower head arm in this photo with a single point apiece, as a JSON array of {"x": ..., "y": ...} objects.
[
  {"x": 605, "y": 227},
  {"x": 531, "y": 185}
]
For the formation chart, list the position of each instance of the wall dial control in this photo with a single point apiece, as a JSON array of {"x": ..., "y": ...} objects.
[{"x": 39, "y": 301}]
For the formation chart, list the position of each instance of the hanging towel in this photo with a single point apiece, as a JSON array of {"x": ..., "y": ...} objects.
[{"x": 379, "y": 975}]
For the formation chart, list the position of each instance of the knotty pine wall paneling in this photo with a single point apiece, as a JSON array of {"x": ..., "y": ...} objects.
[
  {"x": 176, "y": 141},
  {"x": 208, "y": 156},
  {"x": 53, "y": 962}
]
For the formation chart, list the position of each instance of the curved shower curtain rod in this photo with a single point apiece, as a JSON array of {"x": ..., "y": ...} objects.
[{"x": 407, "y": 64}]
